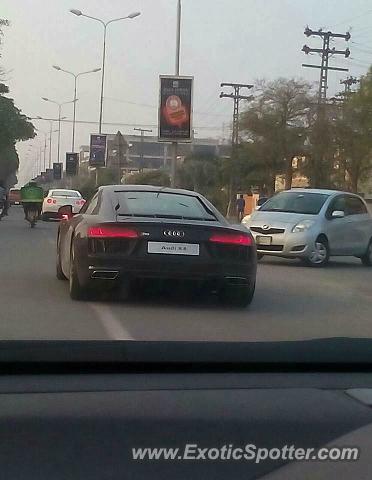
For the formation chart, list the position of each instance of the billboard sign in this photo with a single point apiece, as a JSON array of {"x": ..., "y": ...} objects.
[
  {"x": 175, "y": 109},
  {"x": 72, "y": 164},
  {"x": 57, "y": 171},
  {"x": 98, "y": 150}
]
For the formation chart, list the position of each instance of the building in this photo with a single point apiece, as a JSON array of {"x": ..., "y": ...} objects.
[{"x": 147, "y": 153}]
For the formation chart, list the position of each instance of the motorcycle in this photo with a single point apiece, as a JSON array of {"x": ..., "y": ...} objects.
[{"x": 32, "y": 214}]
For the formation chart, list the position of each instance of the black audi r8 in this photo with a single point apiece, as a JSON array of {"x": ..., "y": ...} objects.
[{"x": 127, "y": 233}]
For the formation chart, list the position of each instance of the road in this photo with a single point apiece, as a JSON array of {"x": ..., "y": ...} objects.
[{"x": 292, "y": 302}]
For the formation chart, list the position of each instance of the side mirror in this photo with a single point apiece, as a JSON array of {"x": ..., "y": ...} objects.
[
  {"x": 257, "y": 207},
  {"x": 338, "y": 214},
  {"x": 65, "y": 212}
]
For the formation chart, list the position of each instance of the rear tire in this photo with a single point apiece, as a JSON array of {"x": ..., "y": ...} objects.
[
  {"x": 77, "y": 292},
  {"x": 367, "y": 257},
  {"x": 260, "y": 256},
  {"x": 59, "y": 272},
  {"x": 237, "y": 296},
  {"x": 45, "y": 217},
  {"x": 319, "y": 257}
]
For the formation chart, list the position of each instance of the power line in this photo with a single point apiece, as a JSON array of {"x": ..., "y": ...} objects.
[
  {"x": 351, "y": 19},
  {"x": 154, "y": 107},
  {"x": 120, "y": 124}
]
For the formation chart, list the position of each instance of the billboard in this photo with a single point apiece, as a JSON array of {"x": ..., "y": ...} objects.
[
  {"x": 57, "y": 171},
  {"x": 72, "y": 164},
  {"x": 98, "y": 150},
  {"x": 175, "y": 109}
]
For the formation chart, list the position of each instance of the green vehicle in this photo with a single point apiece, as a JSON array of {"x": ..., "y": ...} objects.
[{"x": 32, "y": 197}]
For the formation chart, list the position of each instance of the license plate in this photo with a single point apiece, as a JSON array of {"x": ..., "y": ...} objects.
[
  {"x": 263, "y": 240},
  {"x": 173, "y": 248}
]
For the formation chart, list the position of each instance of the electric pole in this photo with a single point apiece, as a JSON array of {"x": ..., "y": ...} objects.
[
  {"x": 320, "y": 165},
  {"x": 348, "y": 82},
  {"x": 143, "y": 131},
  {"x": 121, "y": 144},
  {"x": 326, "y": 52},
  {"x": 237, "y": 97}
]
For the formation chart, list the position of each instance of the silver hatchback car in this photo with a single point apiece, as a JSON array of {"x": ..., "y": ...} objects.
[{"x": 313, "y": 225}]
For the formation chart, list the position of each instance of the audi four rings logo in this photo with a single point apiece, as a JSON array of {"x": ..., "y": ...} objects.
[{"x": 174, "y": 233}]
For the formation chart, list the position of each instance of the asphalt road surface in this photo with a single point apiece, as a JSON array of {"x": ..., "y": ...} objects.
[{"x": 292, "y": 302}]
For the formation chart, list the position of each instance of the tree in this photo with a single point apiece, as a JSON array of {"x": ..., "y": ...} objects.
[
  {"x": 154, "y": 177},
  {"x": 14, "y": 127},
  {"x": 205, "y": 174},
  {"x": 3, "y": 23},
  {"x": 276, "y": 123},
  {"x": 354, "y": 133}
]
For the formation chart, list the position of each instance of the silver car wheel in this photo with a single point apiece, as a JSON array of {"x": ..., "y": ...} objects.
[
  {"x": 319, "y": 254},
  {"x": 369, "y": 254}
]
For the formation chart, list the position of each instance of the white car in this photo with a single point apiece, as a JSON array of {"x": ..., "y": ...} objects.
[{"x": 58, "y": 198}]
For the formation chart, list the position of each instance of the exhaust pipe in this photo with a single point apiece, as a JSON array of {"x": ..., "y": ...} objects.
[{"x": 105, "y": 274}]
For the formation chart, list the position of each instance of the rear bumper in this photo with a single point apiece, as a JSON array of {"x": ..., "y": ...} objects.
[
  {"x": 52, "y": 210},
  {"x": 116, "y": 269}
]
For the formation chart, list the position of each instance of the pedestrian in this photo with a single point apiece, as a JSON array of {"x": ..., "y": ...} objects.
[
  {"x": 240, "y": 206},
  {"x": 4, "y": 198}
]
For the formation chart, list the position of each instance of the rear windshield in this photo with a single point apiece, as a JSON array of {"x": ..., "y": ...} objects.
[
  {"x": 296, "y": 202},
  {"x": 65, "y": 193},
  {"x": 161, "y": 205}
]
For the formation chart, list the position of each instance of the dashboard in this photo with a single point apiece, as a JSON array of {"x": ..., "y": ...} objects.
[{"x": 72, "y": 424}]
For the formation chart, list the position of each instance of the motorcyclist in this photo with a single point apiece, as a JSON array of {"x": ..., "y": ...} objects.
[
  {"x": 32, "y": 197},
  {"x": 3, "y": 198}
]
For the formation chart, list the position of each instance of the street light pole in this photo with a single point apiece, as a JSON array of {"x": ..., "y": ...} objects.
[
  {"x": 75, "y": 75},
  {"x": 59, "y": 120},
  {"x": 102, "y": 77},
  {"x": 105, "y": 25},
  {"x": 143, "y": 131},
  {"x": 59, "y": 133},
  {"x": 50, "y": 144},
  {"x": 50, "y": 139},
  {"x": 178, "y": 41},
  {"x": 45, "y": 148},
  {"x": 74, "y": 116},
  {"x": 177, "y": 73}
]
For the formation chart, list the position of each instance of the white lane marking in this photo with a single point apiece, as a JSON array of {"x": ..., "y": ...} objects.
[{"x": 114, "y": 328}]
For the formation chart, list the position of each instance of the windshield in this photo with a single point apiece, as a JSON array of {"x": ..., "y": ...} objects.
[
  {"x": 162, "y": 205},
  {"x": 65, "y": 193},
  {"x": 296, "y": 202},
  {"x": 195, "y": 170}
]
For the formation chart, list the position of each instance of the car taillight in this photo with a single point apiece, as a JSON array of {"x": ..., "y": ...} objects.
[
  {"x": 49, "y": 200},
  {"x": 54, "y": 202},
  {"x": 232, "y": 239},
  {"x": 112, "y": 232}
]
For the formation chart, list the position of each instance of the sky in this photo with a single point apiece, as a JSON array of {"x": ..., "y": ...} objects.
[{"x": 221, "y": 41}]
